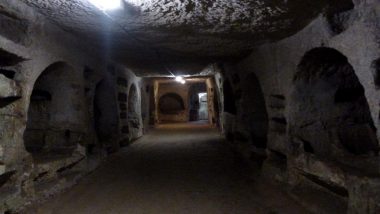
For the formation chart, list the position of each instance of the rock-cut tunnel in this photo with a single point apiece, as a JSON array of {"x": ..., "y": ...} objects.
[{"x": 189, "y": 106}]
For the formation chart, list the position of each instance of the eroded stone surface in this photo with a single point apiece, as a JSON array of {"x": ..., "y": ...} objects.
[
  {"x": 187, "y": 33},
  {"x": 314, "y": 128},
  {"x": 8, "y": 87}
]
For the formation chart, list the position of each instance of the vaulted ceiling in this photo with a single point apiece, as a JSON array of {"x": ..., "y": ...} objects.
[{"x": 153, "y": 36}]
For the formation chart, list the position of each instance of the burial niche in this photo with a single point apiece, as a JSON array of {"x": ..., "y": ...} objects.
[
  {"x": 53, "y": 128},
  {"x": 328, "y": 109},
  {"x": 376, "y": 72},
  {"x": 171, "y": 103},
  {"x": 105, "y": 112},
  {"x": 133, "y": 112},
  {"x": 229, "y": 98},
  {"x": 253, "y": 112}
]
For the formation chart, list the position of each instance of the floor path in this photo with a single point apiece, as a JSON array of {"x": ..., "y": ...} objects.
[{"x": 176, "y": 169}]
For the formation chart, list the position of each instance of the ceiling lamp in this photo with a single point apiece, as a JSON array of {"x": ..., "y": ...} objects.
[
  {"x": 180, "y": 80},
  {"x": 107, "y": 4}
]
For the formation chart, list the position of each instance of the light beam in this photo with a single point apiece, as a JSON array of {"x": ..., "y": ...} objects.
[{"x": 107, "y": 4}]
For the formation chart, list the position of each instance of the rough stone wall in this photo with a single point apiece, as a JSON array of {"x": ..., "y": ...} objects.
[
  {"x": 188, "y": 33},
  {"x": 212, "y": 102},
  {"x": 29, "y": 44},
  {"x": 129, "y": 99},
  {"x": 348, "y": 180},
  {"x": 246, "y": 117},
  {"x": 26, "y": 52},
  {"x": 147, "y": 104},
  {"x": 219, "y": 97}
]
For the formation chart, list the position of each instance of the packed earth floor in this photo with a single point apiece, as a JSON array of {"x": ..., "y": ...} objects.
[{"x": 177, "y": 168}]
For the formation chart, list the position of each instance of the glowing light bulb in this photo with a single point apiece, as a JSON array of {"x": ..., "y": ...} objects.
[
  {"x": 179, "y": 79},
  {"x": 107, "y": 4}
]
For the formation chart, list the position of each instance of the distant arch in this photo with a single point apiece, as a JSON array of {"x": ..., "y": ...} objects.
[{"x": 171, "y": 103}]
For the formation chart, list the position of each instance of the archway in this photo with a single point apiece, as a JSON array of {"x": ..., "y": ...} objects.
[
  {"x": 171, "y": 103},
  {"x": 229, "y": 98},
  {"x": 253, "y": 113},
  {"x": 54, "y": 125},
  {"x": 105, "y": 113},
  {"x": 134, "y": 112},
  {"x": 328, "y": 111}
]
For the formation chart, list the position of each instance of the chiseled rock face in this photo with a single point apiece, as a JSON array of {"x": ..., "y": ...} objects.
[
  {"x": 8, "y": 87},
  {"x": 221, "y": 16},
  {"x": 2, "y": 166},
  {"x": 182, "y": 31},
  {"x": 2, "y": 169}
]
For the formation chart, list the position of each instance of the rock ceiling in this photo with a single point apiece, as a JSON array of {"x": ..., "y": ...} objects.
[{"x": 152, "y": 36}]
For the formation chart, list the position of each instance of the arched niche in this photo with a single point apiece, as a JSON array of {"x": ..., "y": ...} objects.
[
  {"x": 53, "y": 126},
  {"x": 229, "y": 98},
  {"x": 105, "y": 113},
  {"x": 217, "y": 104},
  {"x": 134, "y": 112},
  {"x": 171, "y": 103},
  {"x": 253, "y": 113},
  {"x": 328, "y": 111}
]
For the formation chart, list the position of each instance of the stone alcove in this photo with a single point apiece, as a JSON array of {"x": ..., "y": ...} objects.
[
  {"x": 229, "y": 98},
  {"x": 105, "y": 113},
  {"x": 53, "y": 129},
  {"x": 171, "y": 103},
  {"x": 329, "y": 114},
  {"x": 133, "y": 112},
  {"x": 252, "y": 111}
]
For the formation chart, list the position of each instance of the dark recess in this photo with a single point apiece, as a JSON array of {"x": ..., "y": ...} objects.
[
  {"x": 8, "y": 100},
  {"x": 280, "y": 120},
  {"x": 40, "y": 95},
  {"x": 229, "y": 98},
  {"x": 338, "y": 15},
  {"x": 8, "y": 73},
  {"x": 376, "y": 72},
  {"x": 9, "y": 59},
  {"x": 341, "y": 191}
]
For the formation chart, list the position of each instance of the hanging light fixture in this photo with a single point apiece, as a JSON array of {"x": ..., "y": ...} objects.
[
  {"x": 180, "y": 79},
  {"x": 107, "y": 4}
]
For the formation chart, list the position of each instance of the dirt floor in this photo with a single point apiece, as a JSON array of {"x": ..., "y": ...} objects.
[{"x": 177, "y": 168}]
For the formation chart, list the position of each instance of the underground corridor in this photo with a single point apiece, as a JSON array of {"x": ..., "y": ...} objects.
[
  {"x": 177, "y": 168},
  {"x": 189, "y": 106}
]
